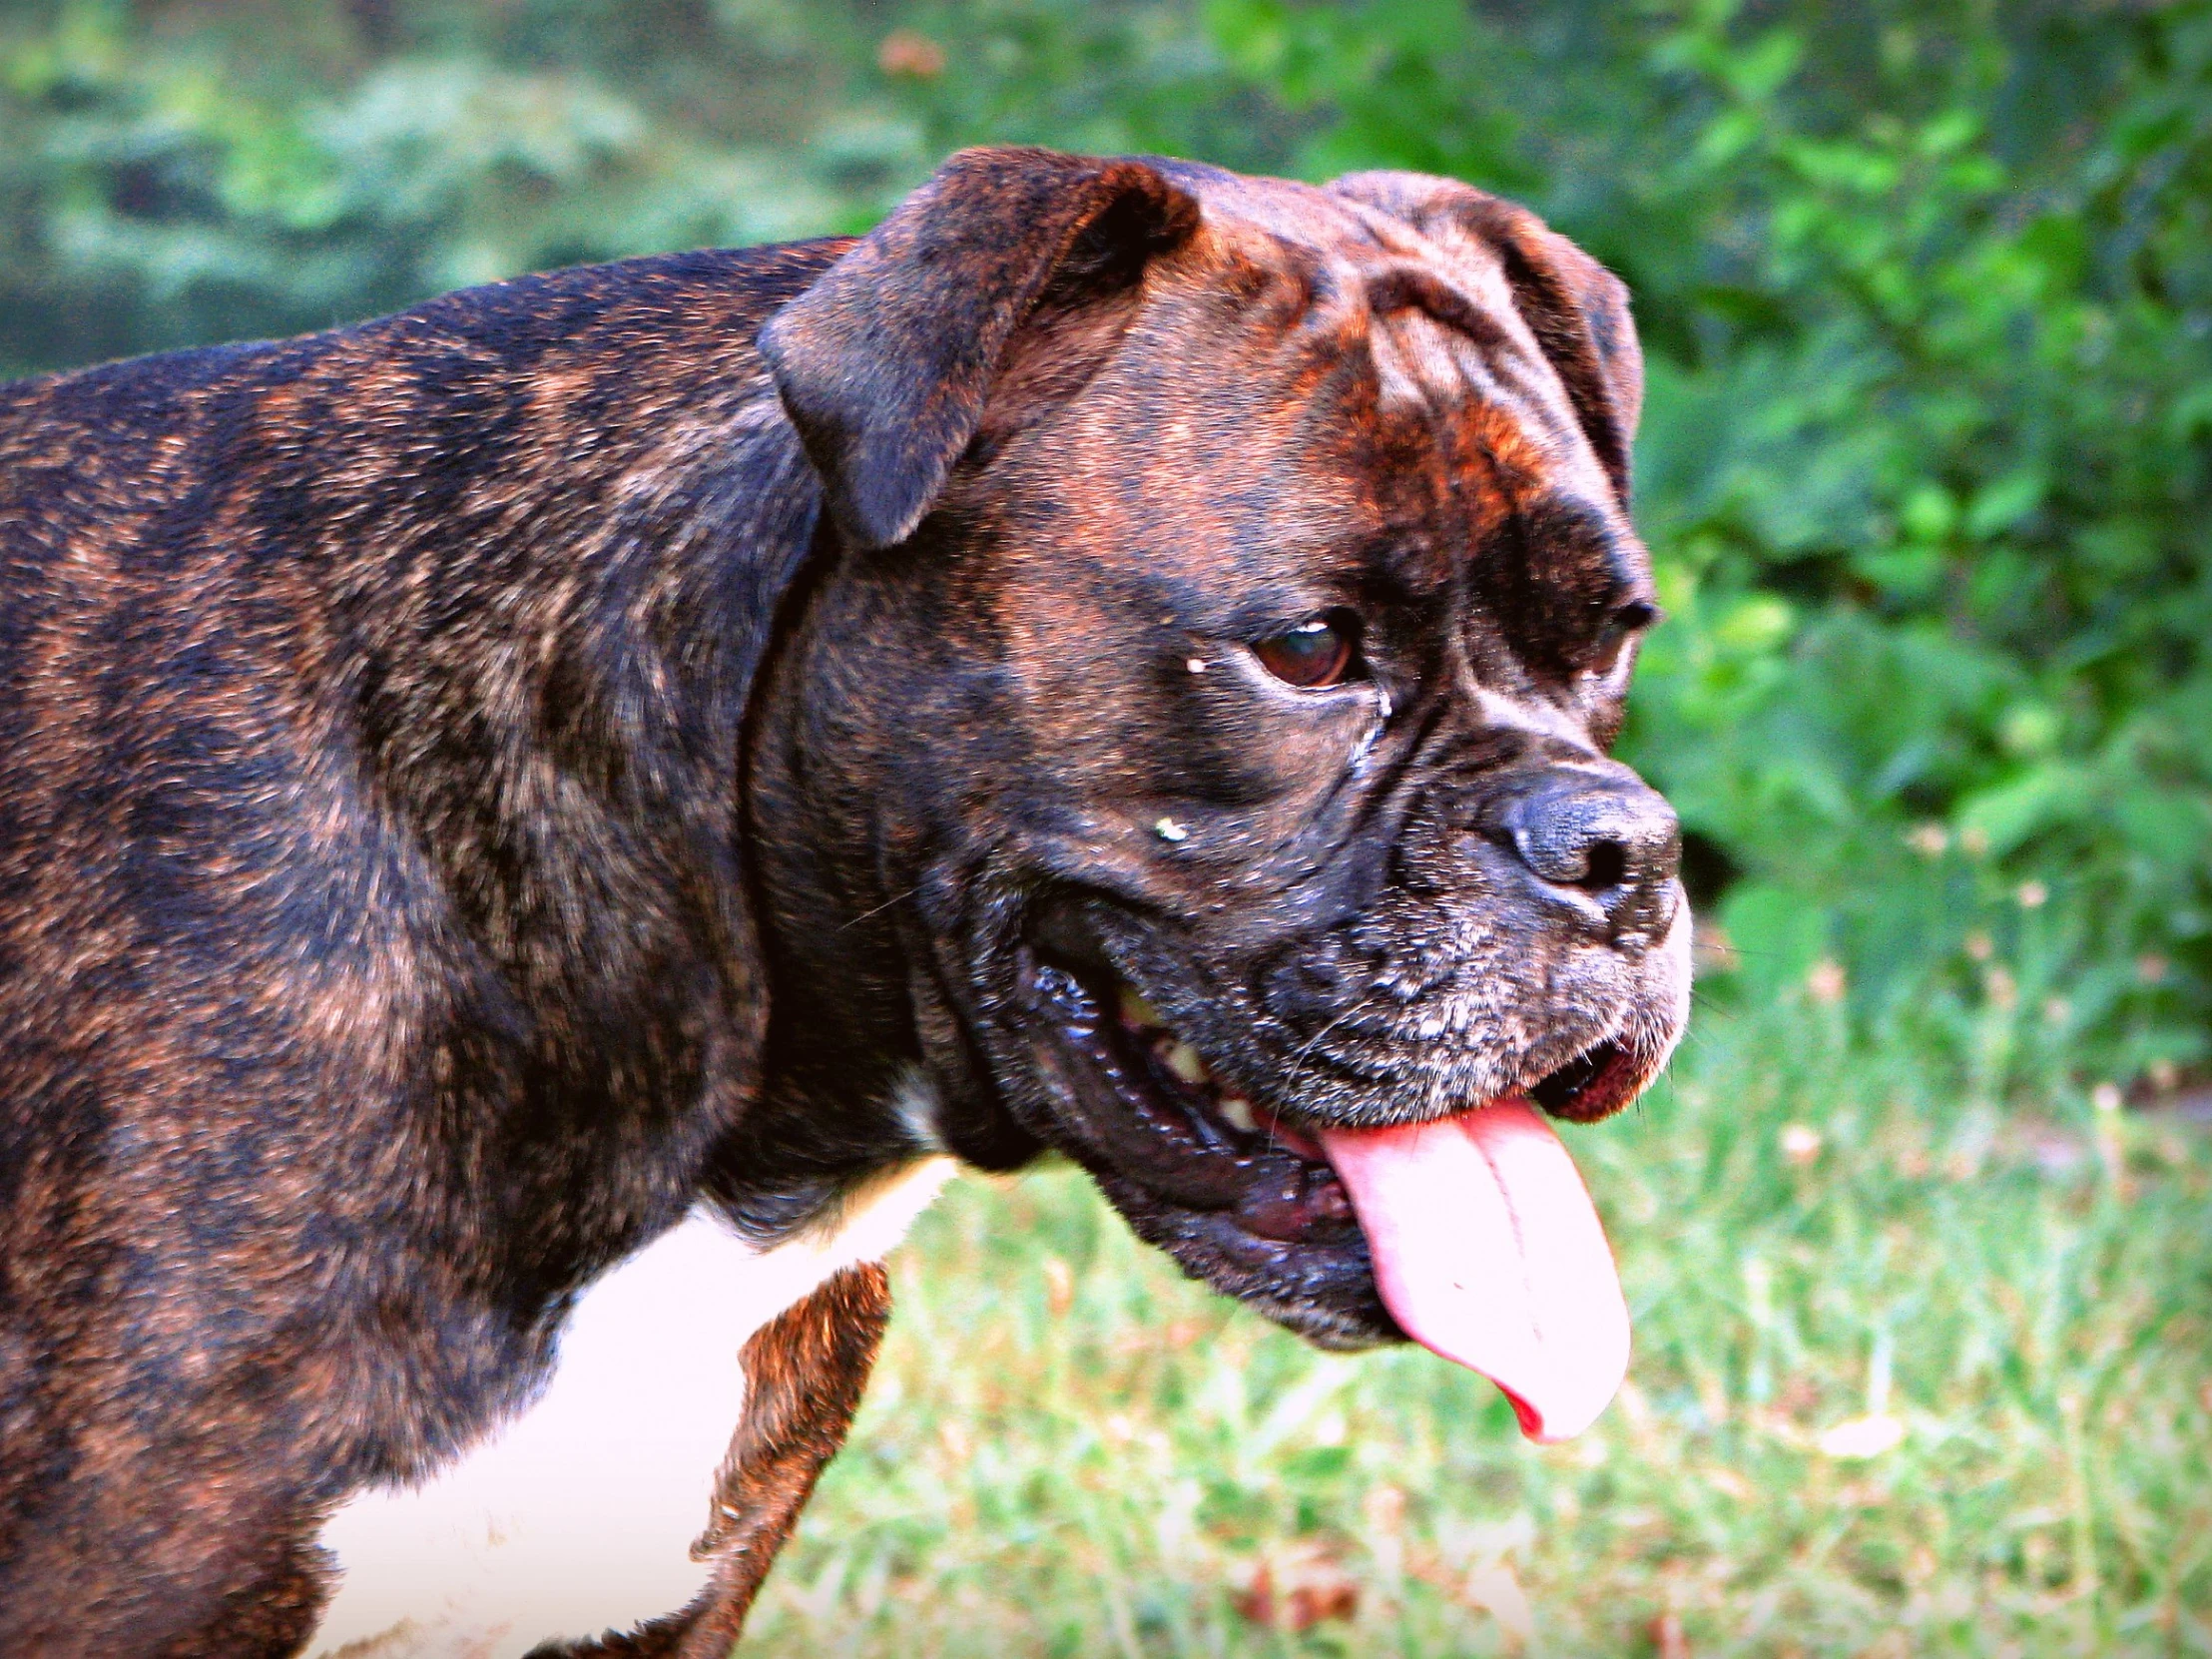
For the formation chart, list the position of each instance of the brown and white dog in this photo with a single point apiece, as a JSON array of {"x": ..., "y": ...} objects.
[{"x": 1120, "y": 658}]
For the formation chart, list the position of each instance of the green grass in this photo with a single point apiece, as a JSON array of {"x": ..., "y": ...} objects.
[{"x": 1070, "y": 1450}]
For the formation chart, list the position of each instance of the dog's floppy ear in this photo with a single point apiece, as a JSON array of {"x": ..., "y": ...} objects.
[
  {"x": 1576, "y": 309},
  {"x": 886, "y": 363}
]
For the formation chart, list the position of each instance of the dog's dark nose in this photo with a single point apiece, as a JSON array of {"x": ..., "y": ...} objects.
[{"x": 1604, "y": 835}]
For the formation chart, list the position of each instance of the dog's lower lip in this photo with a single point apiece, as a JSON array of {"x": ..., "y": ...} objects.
[{"x": 1586, "y": 1086}]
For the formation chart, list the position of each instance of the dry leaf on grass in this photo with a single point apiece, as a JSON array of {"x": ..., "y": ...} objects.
[{"x": 1297, "y": 1591}]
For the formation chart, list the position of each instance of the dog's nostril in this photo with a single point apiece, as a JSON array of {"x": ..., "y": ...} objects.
[
  {"x": 1608, "y": 837},
  {"x": 1607, "y": 867}
]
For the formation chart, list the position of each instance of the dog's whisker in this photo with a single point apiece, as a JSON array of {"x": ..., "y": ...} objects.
[{"x": 895, "y": 900}]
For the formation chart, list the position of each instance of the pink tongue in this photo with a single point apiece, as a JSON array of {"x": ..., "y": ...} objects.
[{"x": 1487, "y": 1252}]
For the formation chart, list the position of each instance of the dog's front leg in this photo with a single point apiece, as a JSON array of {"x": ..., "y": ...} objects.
[{"x": 805, "y": 1372}]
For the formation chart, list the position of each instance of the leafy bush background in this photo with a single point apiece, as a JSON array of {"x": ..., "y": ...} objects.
[{"x": 1926, "y": 287}]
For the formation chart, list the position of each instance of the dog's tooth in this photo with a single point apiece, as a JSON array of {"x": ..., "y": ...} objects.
[
  {"x": 1237, "y": 1111},
  {"x": 1183, "y": 1060},
  {"x": 1137, "y": 1011}
]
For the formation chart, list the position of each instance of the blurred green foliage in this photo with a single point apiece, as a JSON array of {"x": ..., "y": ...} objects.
[{"x": 1926, "y": 287}]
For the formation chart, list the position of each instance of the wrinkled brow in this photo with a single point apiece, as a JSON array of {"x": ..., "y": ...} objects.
[
  {"x": 1403, "y": 285},
  {"x": 1495, "y": 360},
  {"x": 1522, "y": 417}
]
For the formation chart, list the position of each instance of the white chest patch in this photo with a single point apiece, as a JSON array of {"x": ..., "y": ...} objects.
[{"x": 578, "y": 1516}]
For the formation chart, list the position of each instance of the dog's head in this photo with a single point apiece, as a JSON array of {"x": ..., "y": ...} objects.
[{"x": 1229, "y": 602}]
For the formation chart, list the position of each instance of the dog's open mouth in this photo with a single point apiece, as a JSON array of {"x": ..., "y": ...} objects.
[
  {"x": 1158, "y": 1114},
  {"x": 1475, "y": 1230}
]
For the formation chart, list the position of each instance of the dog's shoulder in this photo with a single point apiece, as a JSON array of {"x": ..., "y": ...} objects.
[
  {"x": 229, "y": 573},
  {"x": 184, "y": 480}
]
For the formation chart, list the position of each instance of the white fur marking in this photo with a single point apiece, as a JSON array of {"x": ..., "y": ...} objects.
[
  {"x": 914, "y": 1099},
  {"x": 578, "y": 1517},
  {"x": 1515, "y": 714}
]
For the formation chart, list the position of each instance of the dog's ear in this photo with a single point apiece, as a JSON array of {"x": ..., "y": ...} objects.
[
  {"x": 886, "y": 363},
  {"x": 1576, "y": 309}
]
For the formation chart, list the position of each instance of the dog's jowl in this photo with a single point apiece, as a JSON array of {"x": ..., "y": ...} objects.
[{"x": 593, "y": 781}]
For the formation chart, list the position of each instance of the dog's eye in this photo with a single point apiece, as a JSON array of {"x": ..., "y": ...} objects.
[
  {"x": 1317, "y": 654},
  {"x": 1623, "y": 628}
]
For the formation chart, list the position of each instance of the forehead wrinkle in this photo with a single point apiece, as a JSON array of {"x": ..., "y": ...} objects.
[
  {"x": 1496, "y": 469},
  {"x": 1462, "y": 355},
  {"x": 1478, "y": 425},
  {"x": 1498, "y": 440},
  {"x": 1357, "y": 265},
  {"x": 1352, "y": 276},
  {"x": 1435, "y": 328}
]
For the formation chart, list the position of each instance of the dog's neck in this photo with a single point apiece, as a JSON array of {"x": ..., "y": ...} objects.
[
  {"x": 551, "y": 639},
  {"x": 548, "y": 643}
]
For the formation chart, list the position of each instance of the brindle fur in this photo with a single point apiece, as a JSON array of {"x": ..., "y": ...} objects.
[{"x": 475, "y": 784}]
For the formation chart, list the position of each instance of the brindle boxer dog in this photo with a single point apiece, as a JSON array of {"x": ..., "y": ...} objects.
[{"x": 1120, "y": 658}]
